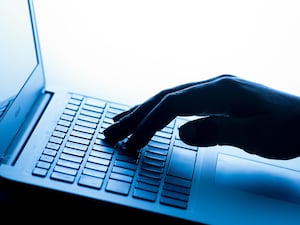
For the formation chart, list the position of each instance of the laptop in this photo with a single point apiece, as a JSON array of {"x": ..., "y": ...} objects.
[{"x": 54, "y": 139}]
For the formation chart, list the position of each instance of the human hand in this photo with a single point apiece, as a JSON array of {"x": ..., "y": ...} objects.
[{"x": 232, "y": 111}]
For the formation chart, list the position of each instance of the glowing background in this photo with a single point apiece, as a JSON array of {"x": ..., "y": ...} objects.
[{"x": 139, "y": 47}]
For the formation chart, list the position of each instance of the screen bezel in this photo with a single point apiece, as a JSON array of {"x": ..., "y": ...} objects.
[{"x": 21, "y": 107}]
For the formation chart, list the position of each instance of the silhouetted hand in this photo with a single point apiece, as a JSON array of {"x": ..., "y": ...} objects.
[{"x": 232, "y": 111}]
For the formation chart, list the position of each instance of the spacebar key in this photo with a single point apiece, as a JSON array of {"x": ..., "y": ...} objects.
[{"x": 182, "y": 163}]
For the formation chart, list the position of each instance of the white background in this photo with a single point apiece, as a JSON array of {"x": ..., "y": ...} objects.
[{"x": 140, "y": 47}]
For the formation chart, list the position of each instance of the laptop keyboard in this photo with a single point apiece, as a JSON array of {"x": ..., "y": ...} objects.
[{"x": 77, "y": 153}]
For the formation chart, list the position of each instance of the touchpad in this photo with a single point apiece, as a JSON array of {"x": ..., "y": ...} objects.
[{"x": 257, "y": 177}]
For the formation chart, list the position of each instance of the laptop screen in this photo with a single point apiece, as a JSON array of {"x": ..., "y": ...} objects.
[
  {"x": 21, "y": 79},
  {"x": 17, "y": 55}
]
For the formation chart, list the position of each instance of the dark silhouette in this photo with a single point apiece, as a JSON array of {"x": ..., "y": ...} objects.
[{"x": 233, "y": 111}]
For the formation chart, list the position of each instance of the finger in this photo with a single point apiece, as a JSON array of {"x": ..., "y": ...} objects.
[
  {"x": 129, "y": 120},
  {"x": 200, "y": 99},
  {"x": 123, "y": 114},
  {"x": 217, "y": 130},
  {"x": 244, "y": 133},
  {"x": 201, "y": 132}
]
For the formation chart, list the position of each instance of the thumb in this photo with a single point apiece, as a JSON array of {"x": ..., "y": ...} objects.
[{"x": 210, "y": 131}]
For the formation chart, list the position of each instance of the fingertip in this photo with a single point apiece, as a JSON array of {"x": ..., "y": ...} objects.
[
  {"x": 201, "y": 132},
  {"x": 119, "y": 116},
  {"x": 130, "y": 150},
  {"x": 114, "y": 133},
  {"x": 187, "y": 133}
]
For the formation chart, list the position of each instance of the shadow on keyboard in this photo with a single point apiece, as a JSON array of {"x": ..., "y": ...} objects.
[{"x": 77, "y": 153}]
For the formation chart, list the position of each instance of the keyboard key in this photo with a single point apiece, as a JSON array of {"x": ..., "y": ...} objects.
[
  {"x": 74, "y": 101},
  {"x": 99, "y": 154},
  {"x": 149, "y": 180},
  {"x": 145, "y": 195},
  {"x": 67, "y": 117},
  {"x": 102, "y": 148},
  {"x": 121, "y": 177},
  {"x": 163, "y": 134},
  {"x": 74, "y": 152},
  {"x": 157, "y": 150},
  {"x": 105, "y": 125},
  {"x": 152, "y": 168},
  {"x": 98, "y": 160},
  {"x": 53, "y": 146},
  {"x": 44, "y": 165},
  {"x": 86, "y": 124},
  {"x": 72, "y": 107},
  {"x": 126, "y": 165},
  {"x": 88, "y": 119},
  {"x": 58, "y": 134},
  {"x": 79, "y": 140},
  {"x": 146, "y": 187},
  {"x": 81, "y": 134},
  {"x": 125, "y": 158},
  {"x": 173, "y": 202},
  {"x": 115, "y": 110},
  {"x": 178, "y": 181},
  {"x": 175, "y": 195},
  {"x": 95, "y": 102},
  {"x": 95, "y": 166},
  {"x": 68, "y": 164},
  {"x": 153, "y": 162},
  {"x": 89, "y": 181},
  {"x": 167, "y": 130},
  {"x": 39, "y": 172},
  {"x": 150, "y": 174},
  {"x": 72, "y": 158},
  {"x": 62, "y": 128},
  {"x": 117, "y": 186},
  {"x": 77, "y": 97},
  {"x": 94, "y": 173},
  {"x": 70, "y": 112},
  {"x": 47, "y": 158},
  {"x": 64, "y": 123},
  {"x": 176, "y": 188},
  {"x": 50, "y": 152},
  {"x": 123, "y": 171},
  {"x": 56, "y": 140},
  {"x": 119, "y": 106},
  {"x": 84, "y": 129},
  {"x": 110, "y": 115},
  {"x": 108, "y": 120},
  {"x": 161, "y": 140},
  {"x": 155, "y": 156},
  {"x": 76, "y": 146},
  {"x": 159, "y": 145},
  {"x": 90, "y": 113},
  {"x": 63, "y": 177},
  {"x": 93, "y": 108},
  {"x": 65, "y": 170}
]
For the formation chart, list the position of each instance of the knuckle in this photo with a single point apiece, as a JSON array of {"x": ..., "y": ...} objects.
[
  {"x": 170, "y": 102},
  {"x": 170, "y": 99},
  {"x": 229, "y": 82}
]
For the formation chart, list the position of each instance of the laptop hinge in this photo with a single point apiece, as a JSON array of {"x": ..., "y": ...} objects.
[{"x": 15, "y": 148}]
